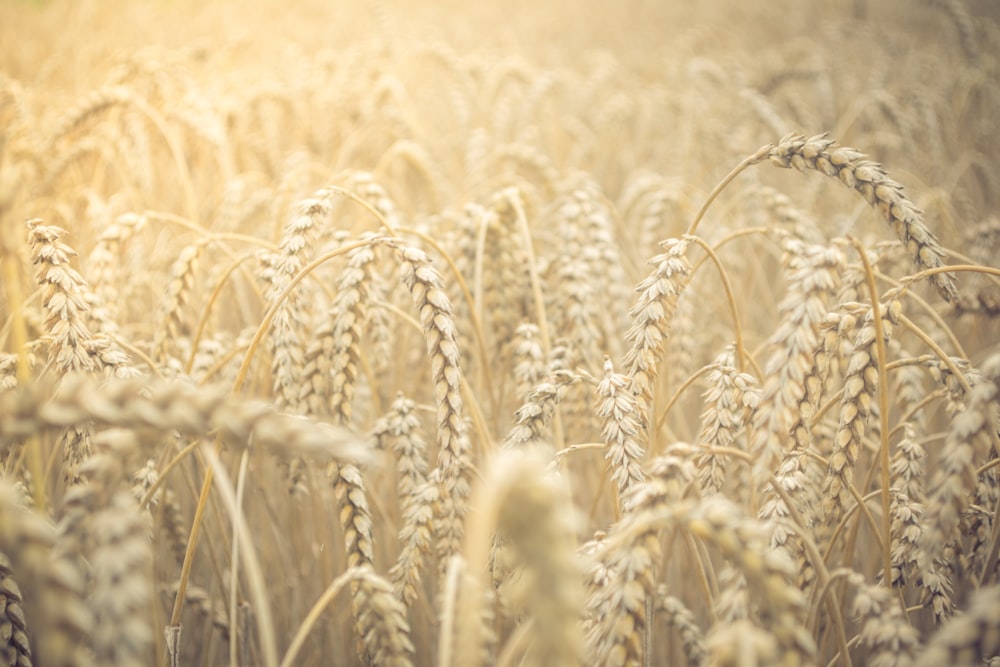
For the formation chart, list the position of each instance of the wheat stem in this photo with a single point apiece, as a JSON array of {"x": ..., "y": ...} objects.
[
  {"x": 883, "y": 398},
  {"x": 760, "y": 154}
]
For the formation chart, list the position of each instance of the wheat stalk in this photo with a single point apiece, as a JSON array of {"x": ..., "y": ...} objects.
[
  {"x": 434, "y": 309},
  {"x": 15, "y": 649},
  {"x": 870, "y": 180}
]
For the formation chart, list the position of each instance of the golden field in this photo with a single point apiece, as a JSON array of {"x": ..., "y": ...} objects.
[{"x": 499, "y": 333}]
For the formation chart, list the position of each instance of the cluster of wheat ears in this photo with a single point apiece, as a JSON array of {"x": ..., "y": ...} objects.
[{"x": 396, "y": 336}]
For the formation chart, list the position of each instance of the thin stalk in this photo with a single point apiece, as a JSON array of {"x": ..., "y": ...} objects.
[
  {"x": 741, "y": 353},
  {"x": 883, "y": 405},
  {"x": 539, "y": 299},
  {"x": 254, "y": 571},
  {"x": 234, "y": 560},
  {"x": 324, "y": 600},
  {"x": 704, "y": 370},
  {"x": 994, "y": 550},
  {"x": 737, "y": 170},
  {"x": 19, "y": 331},
  {"x": 155, "y": 486},
  {"x": 942, "y": 355},
  {"x": 929, "y": 310},
  {"x": 203, "y": 320}
]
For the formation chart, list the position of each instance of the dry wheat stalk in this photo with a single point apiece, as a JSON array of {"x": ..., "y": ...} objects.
[
  {"x": 72, "y": 347},
  {"x": 532, "y": 419},
  {"x": 730, "y": 400},
  {"x": 812, "y": 275},
  {"x": 954, "y": 482},
  {"x": 778, "y": 207},
  {"x": 794, "y": 481},
  {"x": 333, "y": 357},
  {"x": 104, "y": 269},
  {"x": 577, "y": 312},
  {"x": 908, "y": 387},
  {"x": 435, "y": 313},
  {"x": 598, "y": 228},
  {"x": 860, "y": 385},
  {"x": 651, "y": 319},
  {"x": 870, "y": 180},
  {"x": 120, "y": 588},
  {"x": 742, "y": 643},
  {"x": 93, "y": 104},
  {"x": 778, "y": 605},
  {"x": 179, "y": 288},
  {"x": 63, "y": 298},
  {"x": 415, "y": 536},
  {"x": 174, "y": 525},
  {"x": 505, "y": 283},
  {"x": 201, "y": 601},
  {"x": 528, "y": 358},
  {"x": 964, "y": 24},
  {"x": 355, "y": 516},
  {"x": 834, "y": 332},
  {"x": 908, "y": 510},
  {"x": 400, "y": 429},
  {"x": 15, "y": 648},
  {"x": 658, "y": 209},
  {"x": 359, "y": 546},
  {"x": 381, "y": 621},
  {"x": 284, "y": 337},
  {"x": 980, "y": 521},
  {"x": 441, "y": 126},
  {"x": 329, "y": 376},
  {"x": 616, "y": 406},
  {"x": 364, "y": 185},
  {"x": 8, "y": 371}
]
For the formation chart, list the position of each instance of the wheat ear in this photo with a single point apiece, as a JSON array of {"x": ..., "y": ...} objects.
[
  {"x": 15, "y": 647},
  {"x": 436, "y": 319},
  {"x": 869, "y": 179}
]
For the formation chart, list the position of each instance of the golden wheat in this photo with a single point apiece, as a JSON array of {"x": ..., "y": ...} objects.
[{"x": 457, "y": 334}]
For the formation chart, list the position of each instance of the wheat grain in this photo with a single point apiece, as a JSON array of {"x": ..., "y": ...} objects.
[
  {"x": 55, "y": 606},
  {"x": 120, "y": 589},
  {"x": 178, "y": 292},
  {"x": 955, "y": 479},
  {"x": 681, "y": 618},
  {"x": 15, "y": 648},
  {"x": 651, "y": 318},
  {"x": 434, "y": 309},
  {"x": 968, "y": 639},
  {"x": 813, "y": 276},
  {"x": 850, "y": 167},
  {"x": 856, "y": 404},
  {"x": 284, "y": 339},
  {"x": 616, "y": 405},
  {"x": 730, "y": 400},
  {"x": 884, "y": 628}
]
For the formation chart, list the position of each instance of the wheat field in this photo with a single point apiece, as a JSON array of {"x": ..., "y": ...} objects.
[{"x": 499, "y": 333}]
